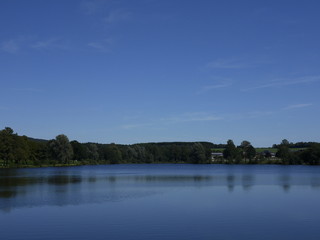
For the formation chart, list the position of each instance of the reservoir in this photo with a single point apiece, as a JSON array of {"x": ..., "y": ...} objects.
[{"x": 161, "y": 201}]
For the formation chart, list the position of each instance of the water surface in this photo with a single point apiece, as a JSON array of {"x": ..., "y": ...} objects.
[{"x": 160, "y": 202}]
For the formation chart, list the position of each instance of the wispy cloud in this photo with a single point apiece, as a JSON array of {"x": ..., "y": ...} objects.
[
  {"x": 202, "y": 117},
  {"x": 138, "y": 125},
  {"x": 90, "y": 7},
  {"x": 257, "y": 114},
  {"x": 15, "y": 45},
  {"x": 107, "y": 14},
  {"x": 191, "y": 117},
  {"x": 43, "y": 44},
  {"x": 165, "y": 121},
  {"x": 285, "y": 82},
  {"x": 48, "y": 44},
  {"x": 301, "y": 105},
  {"x": 213, "y": 87},
  {"x": 11, "y": 46},
  {"x": 264, "y": 113},
  {"x": 249, "y": 115},
  {"x": 117, "y": 16},
  {"x": 111, "y": 13},
  {"x": 227, "y": 64},
  {"x": 102, "y": 46}
]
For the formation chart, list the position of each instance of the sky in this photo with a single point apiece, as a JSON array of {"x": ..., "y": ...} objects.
[{"x": 137, "y": 71}]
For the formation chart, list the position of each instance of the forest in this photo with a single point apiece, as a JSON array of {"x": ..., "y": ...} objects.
[{"x": 23, "y": 151}]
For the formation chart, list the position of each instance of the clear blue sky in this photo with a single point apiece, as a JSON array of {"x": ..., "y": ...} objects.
[{"x": 161, "y": 70}]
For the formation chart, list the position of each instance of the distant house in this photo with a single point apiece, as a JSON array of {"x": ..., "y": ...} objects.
[
  {"x": 215, "y": 155},
  {"x": 268, "y": 154}
]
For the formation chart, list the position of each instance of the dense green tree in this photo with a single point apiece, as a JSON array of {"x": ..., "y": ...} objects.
[
  {"x": 230, "y": 152},
  {"x": 311, "y": 155},
  {"x": 198, "y": 154},
  {"x": 248, "y": 151},
  {"x": 92, "y": 151},
  {"x": 39, "y": 152},
  {"x": 61, "y": 148},
  {"x": 22, "y": 152},
  {"x": 285, "y": 142},
  {"x": 131, "y": 154},
  {"x": 114, "y": 154},
  {"x": 7, "y": 146},
  {"x": 284, "y": 152},
  {"x": 141, "y": 153},
  {"x": 80, "y": 151},
  {"x": 245, "y": 144}
]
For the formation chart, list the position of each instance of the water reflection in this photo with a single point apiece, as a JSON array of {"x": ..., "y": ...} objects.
[
  {"x": 63, "y": 179},
  {"x": 169, "y": 178},
  {"x": 230, "y": 182},
  {"x": 38, "y": 187},
  {"x": 315, "y": 182},
  {"x": 247, "y": 182},
  {"x": 285, "y": 182},
  {"x": 92, "y": 179},
  {"x": 111, "y": 179},
  {"x": 7, "y": 194},
  {"x": 13, "y": 181}
]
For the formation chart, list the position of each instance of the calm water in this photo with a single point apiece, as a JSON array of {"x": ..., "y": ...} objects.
[{"x": 161, "y": 202}]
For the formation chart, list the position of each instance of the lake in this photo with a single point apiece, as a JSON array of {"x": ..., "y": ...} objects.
[{"x": 164, "y": 201}]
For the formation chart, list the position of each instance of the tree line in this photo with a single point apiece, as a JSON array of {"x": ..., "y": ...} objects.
[
  {"x": 23, "y": 151},
  {"x": 307, "y": 153},
  {"x": 20, "y": 151}
]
